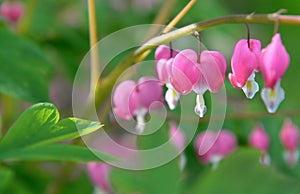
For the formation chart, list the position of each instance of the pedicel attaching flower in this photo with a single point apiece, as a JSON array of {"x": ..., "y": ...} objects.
[
  {"x": 131, "y": 99},
  {"x": 273, "y": 62},
  {"x": 244, "y": 64}
]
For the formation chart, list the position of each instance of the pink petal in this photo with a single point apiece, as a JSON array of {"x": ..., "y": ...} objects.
[
  {"x": 149, "y": 91},
  {"x": 259, "y": 139},
  {"x": 177, "y": 137},
  {"x": 98, "y": 173},
  {"x": 289, "y": 135},
  {"x": 184, "y": 72},
  {"x": 164, "y": 52},
  {"x": 244, "y": 61},
  {"x": 274, "y": 61},
  {"x": 206, "y": 146},
  {"x": 12, "y": 10},
  {"x": 161, "y": 71},
  {"x": 125, "y": 99},
  {"x": 226, "y": 142},
  {"x": 213, "y": 67}
]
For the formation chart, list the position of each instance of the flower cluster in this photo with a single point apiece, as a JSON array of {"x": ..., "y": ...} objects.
[
  {"x": 289, "y": 137},
  {"x": 272, "y": 61},
  {"x": 185, "y": 71}
]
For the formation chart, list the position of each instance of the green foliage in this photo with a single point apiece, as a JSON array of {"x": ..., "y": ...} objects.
[
  {"x": 242, "y": 172},
  {"x": 25, "y": 71},
  {"x": 37, "y": 127}
]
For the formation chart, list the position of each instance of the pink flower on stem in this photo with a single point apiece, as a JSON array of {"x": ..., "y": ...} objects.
[
  {"x": 212, "y": 67},
  {"x": 164, "y": 57},
  {"x": 131, "y": 99},
  {"x": 177, "y": 138},
  {"x": 12, "y": 11},
  {"x": 99, "y": 175},
  {"x": 184, "y": 72},
  {"x": 259, "y": 139},
  {"x": 212, "y": 147},
  {"x": 274, "y": 61},
  {"x": 289, "y": 137},
  {"x": 244, "y": 63}
]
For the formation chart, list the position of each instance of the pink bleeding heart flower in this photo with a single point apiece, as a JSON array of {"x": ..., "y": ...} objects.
[
  {"x": 274, "y": 61},
  {"x": 131, "y": 99},
  {"x": 177, "y": 138},
  {"x": 12, "y": 11},
  {"x": 289, "y": 137},
  {"x": 259, "y": 139},
  {"x": 212, "y": 67},
  {"x": 244, "y": 63},
  {"x": 164, "y": 58},
  {"x": 211, "y": 147},
  {"x": 99, "y": 175},
  {"x": 125, "y": 99},
  {"x": 184, "y": 72}
]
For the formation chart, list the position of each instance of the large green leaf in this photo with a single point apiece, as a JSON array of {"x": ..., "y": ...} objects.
[
  {"x": 24, "y": 70},
  {"x": 39, "y": 125},
  {"x": 242, "y": 173},
  {"x": 57, "y": 152}
]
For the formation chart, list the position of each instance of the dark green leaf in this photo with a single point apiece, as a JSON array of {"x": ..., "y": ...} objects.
[
  {"x": 24, "y": 70},
  {"x": 242, "y": 173}
]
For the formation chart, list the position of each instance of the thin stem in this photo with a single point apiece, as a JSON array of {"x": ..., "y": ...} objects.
[
  {"x": 179, "y": 16},
  {"x": 248, "y": 34},
  {"x": 93, "y": 44},
  {"x": 196, "y": 33},
  {"x": 107, "y": 83}
]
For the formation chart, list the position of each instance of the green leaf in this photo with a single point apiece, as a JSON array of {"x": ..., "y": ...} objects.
[
  {"x": 242, "y": 173},
  {"x": 24, "y": 70},
  {"x": 57, "y": 152},
  {"x": 6, "y": 176},
  {"x": 39, "y": 125}
]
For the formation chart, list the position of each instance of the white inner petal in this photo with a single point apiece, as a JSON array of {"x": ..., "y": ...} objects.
[
  {"x": 200, "y": 108},
  {"x": 140, "y": 119},
  {"x": 272, "y": 97},
  {"x": 172, "y": 97},
  {"x": 251, "y": 87}
]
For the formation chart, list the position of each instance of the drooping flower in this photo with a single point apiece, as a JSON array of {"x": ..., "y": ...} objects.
[
  {"x": 99, "y": 175},
  {"x": 212, "y": 67},
  {"x": 289, "y": 137},
  {"x": 131, "y": 99},
  {"x": 273, "y": 62},
  {"x": 184, "y": 71},
  {"x": 244, "y": 63},
  {"x": 178, "y": 140},
  {"x": 259, "y": 139},
  {"x": 12, "y": 11},
  {"x": 164, "y": 57},
  {"x": 212, "y": 147}
]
